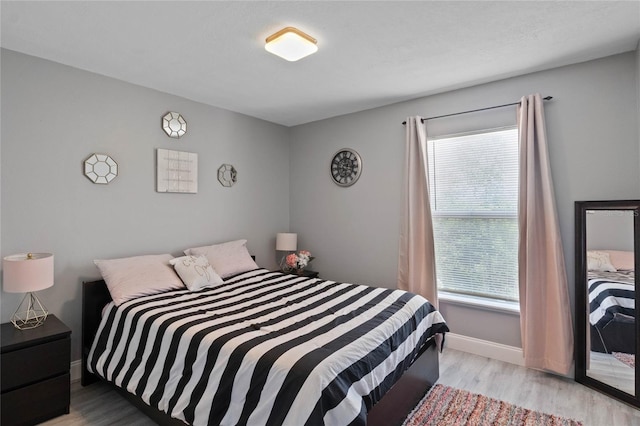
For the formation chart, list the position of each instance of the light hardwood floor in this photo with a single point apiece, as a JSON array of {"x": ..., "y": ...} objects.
[
  {"x": 534, "y": 390},
  {"x": 99, "y": 405},
  {"x": 607, "y": 369}
]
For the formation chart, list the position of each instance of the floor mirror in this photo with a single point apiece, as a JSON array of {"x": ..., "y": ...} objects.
[{"x": 607, "y": 322}]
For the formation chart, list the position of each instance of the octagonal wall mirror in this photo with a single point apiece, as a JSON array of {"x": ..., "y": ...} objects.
[
  {"x": 174, "y": 125},
  {"x": 100, "y": 168},
  {"x": 227, "y": 175}
]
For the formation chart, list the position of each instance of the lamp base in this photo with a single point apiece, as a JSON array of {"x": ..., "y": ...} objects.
[
  {"x": 283, "y": 264},
  {"x": 30, "y": 313}
]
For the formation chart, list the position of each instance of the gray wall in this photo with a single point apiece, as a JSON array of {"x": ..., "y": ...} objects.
[
  {"x": 1, "y": 255},
  {"x": 638, "y": 86},
  {"x": 610, "y": 230},
  {"x": 592, "y": 127},
  {"x": 55, "y": 116}
]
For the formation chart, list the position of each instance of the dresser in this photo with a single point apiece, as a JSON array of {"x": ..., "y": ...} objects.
[{"x": 34, "y": 372}]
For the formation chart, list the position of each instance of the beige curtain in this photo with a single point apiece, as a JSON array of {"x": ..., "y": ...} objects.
[
  {"x": 545, "y": 314},
  {"x": 416, "y": 260}
]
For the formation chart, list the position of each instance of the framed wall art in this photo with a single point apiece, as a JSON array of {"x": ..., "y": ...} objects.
[{"x": 177, "y": 171}]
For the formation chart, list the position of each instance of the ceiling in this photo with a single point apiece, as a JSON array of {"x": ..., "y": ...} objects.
[{"x": 371, "y": 53}]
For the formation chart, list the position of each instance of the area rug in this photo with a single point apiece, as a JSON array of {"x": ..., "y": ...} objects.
[
  {"x": 447, "y": 406},
  {"x": 628, "y": 359}
]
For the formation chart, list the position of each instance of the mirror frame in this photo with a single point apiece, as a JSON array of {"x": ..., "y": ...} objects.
[{"x": 581, "y": 295}]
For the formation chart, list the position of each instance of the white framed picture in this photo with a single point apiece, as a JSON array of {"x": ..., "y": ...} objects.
[{"x": 177, "y": 171}]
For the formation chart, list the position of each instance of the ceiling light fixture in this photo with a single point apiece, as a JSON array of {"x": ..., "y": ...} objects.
[{"x": 291, "y": 44}]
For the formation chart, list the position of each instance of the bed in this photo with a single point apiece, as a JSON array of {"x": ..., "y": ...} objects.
[
  {"x": 611, "y": 293},
  {"x": 264, "y": 347},
  {"x": 611, "y": 311}
]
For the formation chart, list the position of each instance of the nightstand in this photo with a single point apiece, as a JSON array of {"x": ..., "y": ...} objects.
[
  {"x": 35, "y": 378},
  {"x": 306, "y": 273}
]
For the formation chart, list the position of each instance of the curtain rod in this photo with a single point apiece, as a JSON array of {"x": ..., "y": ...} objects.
[{"x": 474, "y": 110}]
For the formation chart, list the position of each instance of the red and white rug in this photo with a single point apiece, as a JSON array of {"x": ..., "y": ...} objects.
[
  {"x": 447, "y": 406},
  {"x": 628, "y": 359}
]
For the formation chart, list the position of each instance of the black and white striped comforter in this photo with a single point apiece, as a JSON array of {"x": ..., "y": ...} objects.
[
  {"x": 611, "y": 294},
  {"x": 264, "y": 349}
]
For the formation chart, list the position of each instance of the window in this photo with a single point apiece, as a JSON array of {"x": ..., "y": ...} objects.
[{"x": 473, "y": 183}]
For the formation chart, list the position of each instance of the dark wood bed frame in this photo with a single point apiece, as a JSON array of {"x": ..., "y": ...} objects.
[{"x": 392, "y": 409}]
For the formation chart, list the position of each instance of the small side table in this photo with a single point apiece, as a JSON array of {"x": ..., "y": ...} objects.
[
  {"x": 306, "y": 273},
  {"x": 35, "y": 372}
]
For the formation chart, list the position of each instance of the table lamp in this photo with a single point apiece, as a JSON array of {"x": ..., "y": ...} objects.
[
  {"x": 28, "y": 273},
  {"x": 286, "y": 241}
]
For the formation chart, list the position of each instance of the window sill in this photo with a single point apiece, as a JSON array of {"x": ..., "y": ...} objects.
[{"x": 480, "y": 302}]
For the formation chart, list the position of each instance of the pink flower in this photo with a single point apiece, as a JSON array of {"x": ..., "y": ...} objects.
[
  {"x": 298, "y": 260},
  {"x": 292, "y": 260}
]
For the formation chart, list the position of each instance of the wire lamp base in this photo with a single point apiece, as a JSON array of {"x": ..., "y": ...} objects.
[{"x": 31, "y": 313}]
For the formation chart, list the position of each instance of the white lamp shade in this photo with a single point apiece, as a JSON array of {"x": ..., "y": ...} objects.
[
  {"x": 27, "y": 272},
  {"x": 286, "y": 241}
]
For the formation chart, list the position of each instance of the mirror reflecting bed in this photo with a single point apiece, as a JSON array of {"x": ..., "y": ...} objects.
[{"x": 607, "y": 234}]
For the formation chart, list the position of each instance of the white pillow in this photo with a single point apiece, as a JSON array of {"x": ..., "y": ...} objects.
[
  {"x": 131, "y": 277},
  {"x": 227, "y": 258},
  {"x": 599, "y": 261},
  {"x": 196, "y": 272}
]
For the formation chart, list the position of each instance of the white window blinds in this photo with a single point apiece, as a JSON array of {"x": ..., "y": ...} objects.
[{"x": 473, "y": 181}]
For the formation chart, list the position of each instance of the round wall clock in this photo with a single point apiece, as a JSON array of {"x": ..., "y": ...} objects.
[{"x": 346, "y": 167}]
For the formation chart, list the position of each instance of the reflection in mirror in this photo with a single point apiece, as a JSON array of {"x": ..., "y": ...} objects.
[
  {"x": 610, "y": 287},
  {"x": 607, "y": 321}
]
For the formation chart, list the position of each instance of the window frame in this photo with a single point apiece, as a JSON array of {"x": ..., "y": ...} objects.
[{"x": 483, "y": 302}]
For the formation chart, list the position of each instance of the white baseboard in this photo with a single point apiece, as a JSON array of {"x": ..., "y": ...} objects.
[
  {"x": 76, "y": 370},
  {"x": 510, "y": 354}
]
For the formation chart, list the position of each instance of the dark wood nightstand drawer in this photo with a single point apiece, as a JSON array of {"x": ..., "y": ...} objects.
[
  {"x": 31, "y": 364},
  {"x": 35, "y": 366},
  {"x": 40, "y": 401}
]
